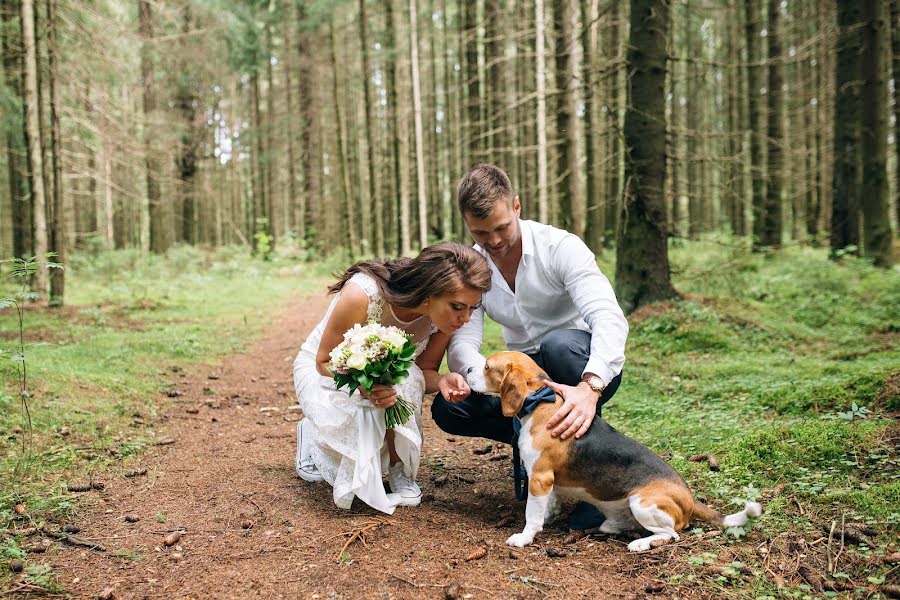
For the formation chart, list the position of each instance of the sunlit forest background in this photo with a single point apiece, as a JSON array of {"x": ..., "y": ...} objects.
[{"x": 343, "y": 126}]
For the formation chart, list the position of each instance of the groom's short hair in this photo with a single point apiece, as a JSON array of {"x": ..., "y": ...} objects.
[{"x": 481, "y": 188}]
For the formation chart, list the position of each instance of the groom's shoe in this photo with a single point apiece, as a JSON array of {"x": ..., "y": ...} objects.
[
  {"x": 406, "y": 490},
  {"x": 585, "y": 517},
  {"x": 306, "y": 468}
]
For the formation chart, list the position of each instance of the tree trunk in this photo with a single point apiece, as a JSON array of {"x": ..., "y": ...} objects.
[
  {"x": 771, "y": 225},
  {"x": 257, "y": 168},
  {"x": 391, "y": 110},
  {"x": 344, "y": 185},
  {"x": 473, "y": 129},
  {"x": 540, "y": 79},
  {"x": 642, "y": 261},
  {"x": 895, "y": 53},
  {"x": 273, "y": 210},
  {"x": 294, "y": 214},
  {"x": 417, "y": 116},
  {"x": 613, "y": 51},
  {"x": 754, "y": 91},
  {"x": 305, "y": 80},
  {"x": 15, "y": 147},
  {"x": 375, "y": 197},
  {"x": 846, "y": 177},
  {"x": 186, "y": 102},
  {"x": 494, "y": 128},
  {"x": 877, "y": 238},
  {"x": 158, "y": 231},
  {"x": 593, "y": 234},
  {"x": 58, "y": 240},
  {"x": 571, "y": 207},
  {"x": 36, "y": 153}
]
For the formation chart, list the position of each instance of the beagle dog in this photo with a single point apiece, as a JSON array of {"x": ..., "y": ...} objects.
[{"x": 632, "y": 486}]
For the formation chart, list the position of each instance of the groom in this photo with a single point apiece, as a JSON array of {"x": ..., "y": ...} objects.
[{"x": 552, "y": 302}]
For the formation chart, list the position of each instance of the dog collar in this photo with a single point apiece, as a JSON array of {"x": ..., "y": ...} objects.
[{"x": 532, "y": 401}]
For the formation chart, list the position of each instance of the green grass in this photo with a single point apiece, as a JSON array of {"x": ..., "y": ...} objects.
[{"x": 129, "y": 321}]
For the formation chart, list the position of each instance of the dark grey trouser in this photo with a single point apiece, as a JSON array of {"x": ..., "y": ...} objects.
[{"x": 563, "y": 355}]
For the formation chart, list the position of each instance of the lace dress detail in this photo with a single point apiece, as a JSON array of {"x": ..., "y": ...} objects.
[{"x": 350, "y": 451}]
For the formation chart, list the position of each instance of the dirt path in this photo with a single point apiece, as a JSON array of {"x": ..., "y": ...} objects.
[{"x": 253, "y": 529}]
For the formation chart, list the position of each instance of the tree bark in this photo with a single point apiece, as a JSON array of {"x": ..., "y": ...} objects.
[
  {"x": 273, "y": 210},
  {"x": 394, "y": 136},
  {"x": 36, "y": 153},
  {"x": 895, "y": 53},
  {"x": 593, "y": 234},
  {"x": 305, "y": 79},
  {"x": 613, "y": 51},
  {"x": 158, "y": 232},
  {"x": 293, "y": 210},
  {"x": 642, "y": 260},
  {"x": 846, "y": 176},
  {"x": 417, "y": 117},
  {"x": 376, "y": 198},
  {"x": 754, "y": 91},
  {"x": 540, "y": 79},
  {"x": 186, "y": 104},
  {"x": 344, "y": 184},
  {"x": 473, "y": 127},
  {"x": 877, "y": 237},
  {"x": 15, "y": 145},
  {"x": 57, "y": 242},
  {"x": 771, "y": 225},
  {"x": 571, "y": 202}
]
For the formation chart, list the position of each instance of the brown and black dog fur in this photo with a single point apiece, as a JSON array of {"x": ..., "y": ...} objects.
[{"x": 632, "y": 486}]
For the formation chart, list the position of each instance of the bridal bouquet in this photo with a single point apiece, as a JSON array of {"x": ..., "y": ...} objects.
[{"x": 371, "y": 354}]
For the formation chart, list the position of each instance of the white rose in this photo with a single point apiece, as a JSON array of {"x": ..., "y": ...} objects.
[
  {"x": 396, "y": 340},
  {"x": 357, "y": 359}
]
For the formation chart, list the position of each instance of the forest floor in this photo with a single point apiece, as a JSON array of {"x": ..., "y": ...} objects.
[
  {"x": 249, "y": 527},
  {"x": 175, "y": 426}
]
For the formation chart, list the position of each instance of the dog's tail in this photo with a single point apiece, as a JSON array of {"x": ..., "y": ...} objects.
[{"x": 714, "y": 517}]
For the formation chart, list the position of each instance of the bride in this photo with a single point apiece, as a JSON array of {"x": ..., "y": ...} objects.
[{"x": 342, "y": 438}]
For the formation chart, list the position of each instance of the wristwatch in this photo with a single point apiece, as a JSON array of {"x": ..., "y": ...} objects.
[{"x": 594, "y": 382}]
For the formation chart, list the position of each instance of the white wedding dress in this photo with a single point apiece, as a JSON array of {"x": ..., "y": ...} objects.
[{"x": 350, "y": 450}]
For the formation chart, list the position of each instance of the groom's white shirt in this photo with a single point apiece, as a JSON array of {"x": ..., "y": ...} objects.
[{"x": 558, "y": 286}]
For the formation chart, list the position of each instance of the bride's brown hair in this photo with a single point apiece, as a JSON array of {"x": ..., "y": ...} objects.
[{"x": 438, "y": 270}]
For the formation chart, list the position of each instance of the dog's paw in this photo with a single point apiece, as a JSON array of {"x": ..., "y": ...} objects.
[
  {"x": 520, "y": 540},
  {"x": 641, "y": 545}
]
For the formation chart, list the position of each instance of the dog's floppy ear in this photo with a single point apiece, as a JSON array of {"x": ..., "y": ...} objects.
[{"x": 513, "y": 390}]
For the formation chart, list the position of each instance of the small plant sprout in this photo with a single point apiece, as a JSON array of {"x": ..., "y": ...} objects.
[
  {"x": 23, "y": 269},
  {"x": 855, "y": 412}
]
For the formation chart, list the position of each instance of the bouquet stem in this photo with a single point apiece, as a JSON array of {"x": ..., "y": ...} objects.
[{"x": 399, "y": 413}]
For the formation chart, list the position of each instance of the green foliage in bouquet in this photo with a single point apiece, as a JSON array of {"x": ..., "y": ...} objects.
[{"x": 386, "y": 372}]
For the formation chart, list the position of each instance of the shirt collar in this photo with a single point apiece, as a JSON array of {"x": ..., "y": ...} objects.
[{"x": 527, "y": 238}]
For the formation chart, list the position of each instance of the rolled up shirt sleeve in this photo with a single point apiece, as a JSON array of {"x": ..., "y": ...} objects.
[
  {"x": 464, "y": 350},
  {"x": 591, "y": 292}
]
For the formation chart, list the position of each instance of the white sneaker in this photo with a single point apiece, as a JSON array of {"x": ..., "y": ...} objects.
[
  {"x": 407, "y": 491},
  {"x": 306, "y": 468}
]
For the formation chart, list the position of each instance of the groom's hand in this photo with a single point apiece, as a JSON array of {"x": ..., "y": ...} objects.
[
  {"x": 382, "y": 396},
  {"x": 577, "y": 413},
  {"x": 454, "y": 388}
]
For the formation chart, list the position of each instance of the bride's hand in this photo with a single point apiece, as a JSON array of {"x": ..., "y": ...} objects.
[
  {"x": 382, "y": 396},
  {"x": 454, "y": 388}
]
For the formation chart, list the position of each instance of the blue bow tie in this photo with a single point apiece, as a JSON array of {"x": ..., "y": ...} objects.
[{"x": 532, "y": 401}]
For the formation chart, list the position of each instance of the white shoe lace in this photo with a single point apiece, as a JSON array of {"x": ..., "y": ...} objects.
[{"x": 407, "y": 489}]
